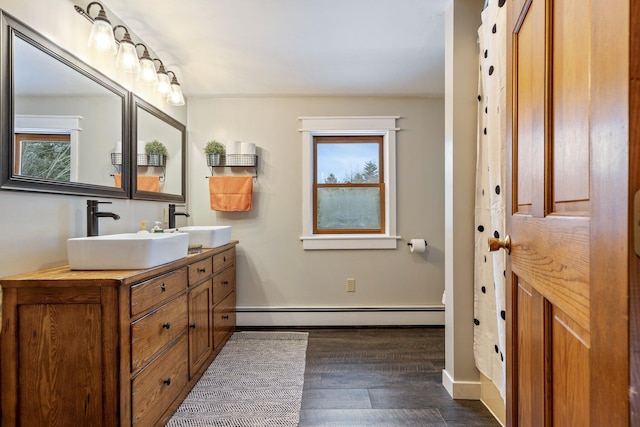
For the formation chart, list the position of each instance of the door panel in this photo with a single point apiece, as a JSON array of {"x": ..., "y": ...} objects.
[
  {"x": 570, "y": 382},
  {"x": 530, "y": 116},
  {"x": 525, "y": 369},
  {"x": 570, "y": 106}
]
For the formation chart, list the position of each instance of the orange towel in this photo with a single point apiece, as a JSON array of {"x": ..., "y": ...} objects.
[
  {"x": 149, "y": 183},
  {"x": 145, "y": 182},
  {"x": 231, "y": 193}
]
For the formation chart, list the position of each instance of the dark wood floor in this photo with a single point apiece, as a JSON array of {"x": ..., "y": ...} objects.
[{"x": 381, "y": 377}]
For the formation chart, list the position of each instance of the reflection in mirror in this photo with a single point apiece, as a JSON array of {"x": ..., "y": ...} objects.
[
  {"x": 158, "y": 177},
  {"x": 63, "y": 119}
]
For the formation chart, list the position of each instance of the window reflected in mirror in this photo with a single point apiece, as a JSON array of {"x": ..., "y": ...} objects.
[{"x": 43, "y": 155}]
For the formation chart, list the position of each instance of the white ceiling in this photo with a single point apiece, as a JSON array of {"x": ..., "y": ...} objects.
[{"x": 294, "y": 47}]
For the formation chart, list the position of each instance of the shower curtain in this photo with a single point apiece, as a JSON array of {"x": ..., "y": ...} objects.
[{"x": 489, "y": 344}]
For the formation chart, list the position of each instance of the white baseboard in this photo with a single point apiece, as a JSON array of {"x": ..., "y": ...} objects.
[
  {"x": 464, "y": 390},
  {"x": 340, "y": 316}
]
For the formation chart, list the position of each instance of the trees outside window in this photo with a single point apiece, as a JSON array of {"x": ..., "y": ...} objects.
[{"x": 348, "y": 188}]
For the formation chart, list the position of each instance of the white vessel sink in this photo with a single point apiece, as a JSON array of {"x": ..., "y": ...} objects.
[
  {"x": 127, "y": 251},
  {"x": 209, "y": 236}
]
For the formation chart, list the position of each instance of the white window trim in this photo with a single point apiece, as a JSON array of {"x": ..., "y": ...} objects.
[{"x": 384, "y": 126}]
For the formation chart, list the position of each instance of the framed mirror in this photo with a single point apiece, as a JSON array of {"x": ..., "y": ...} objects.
[
  {"x": 159, "y": 148},
  {"x": 65, "y": 125}
]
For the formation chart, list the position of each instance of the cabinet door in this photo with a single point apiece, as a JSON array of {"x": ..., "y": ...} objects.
[
  {"x": 200, "y": 324},
  {"x": 59, "y": 385}
]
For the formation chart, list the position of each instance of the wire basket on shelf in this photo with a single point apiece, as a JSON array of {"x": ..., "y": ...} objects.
[
  {"x": 248, "y": 160},
  {"x": 116, "y": 159},
  {"x": 152, "y": 160}
]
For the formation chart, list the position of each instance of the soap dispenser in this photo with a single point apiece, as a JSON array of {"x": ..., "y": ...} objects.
[{"x": 143, "y": 227}]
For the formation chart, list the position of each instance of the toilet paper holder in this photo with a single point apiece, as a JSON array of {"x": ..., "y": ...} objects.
[{"x": 411, "y": 244}]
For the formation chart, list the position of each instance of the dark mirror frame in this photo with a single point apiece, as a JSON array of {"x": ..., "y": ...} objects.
[
  {"x": 137, "y": 102},
  {"x": 12, "y": 27}
]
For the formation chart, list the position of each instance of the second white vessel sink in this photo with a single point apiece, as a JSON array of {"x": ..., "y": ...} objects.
[
  {"x": 126, "y": 251},
  {"x": 209, "y": 236}
]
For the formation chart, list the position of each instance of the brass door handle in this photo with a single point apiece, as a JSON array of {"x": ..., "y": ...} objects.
[{"x": 496, "y": 244}]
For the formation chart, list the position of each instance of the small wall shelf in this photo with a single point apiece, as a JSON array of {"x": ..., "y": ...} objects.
[
  {"x": 233, "y": 161},
  {"x": 143, "y": 160}
]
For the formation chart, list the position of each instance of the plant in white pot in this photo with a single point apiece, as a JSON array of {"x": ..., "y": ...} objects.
[
  {"x": 157, "y": 152},
  {"x": 214, "y": 150}
]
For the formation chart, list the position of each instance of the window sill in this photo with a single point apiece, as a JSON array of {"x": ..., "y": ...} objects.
[{"x": 349, "y": 241}]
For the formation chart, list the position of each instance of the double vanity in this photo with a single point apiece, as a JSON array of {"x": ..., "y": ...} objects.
[
  {"x": 121, "y": 334},
  {"x": 113, "y": 347}
]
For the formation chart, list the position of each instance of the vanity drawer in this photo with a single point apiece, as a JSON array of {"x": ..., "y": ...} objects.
[
  {"x": 224, "y": 319},
  {"x": 199, "y": 271},
  {"x": 224, "y": 259},
  {"x": 159, "y": 384},
  {"x": 223, "y": 284},
  {"x": 157, "y": 329},
  {"x": 147, "y": 294}
]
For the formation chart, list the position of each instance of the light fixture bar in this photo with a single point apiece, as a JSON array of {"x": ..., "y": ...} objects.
[{"x": 103, "y": 39}]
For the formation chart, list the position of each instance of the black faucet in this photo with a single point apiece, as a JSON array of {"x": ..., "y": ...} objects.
[
  {"x": 172, "y": 215},
  {"x": 93, "y": 215}
]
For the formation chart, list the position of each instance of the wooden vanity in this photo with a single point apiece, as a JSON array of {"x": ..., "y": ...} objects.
[{"x": 112, "y": 348}]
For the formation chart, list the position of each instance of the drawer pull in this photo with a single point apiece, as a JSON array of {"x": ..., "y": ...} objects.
[
  {"x": 167, "y": 381},
  {"x": 163, "y": 287},
  {"x": 225, "y": 282},
  {"x": 192, "y": 326},
  {"x": 202, "y": 270},
  {"x": 225, "y": 317},
  {"x": 166, "y": 325},
  {"x": 224, "y": 259}
]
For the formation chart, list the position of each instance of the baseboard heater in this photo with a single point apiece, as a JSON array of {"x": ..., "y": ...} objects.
[
  {"x": 429, "y": 308},
  {"x": 340, "y": 316}
]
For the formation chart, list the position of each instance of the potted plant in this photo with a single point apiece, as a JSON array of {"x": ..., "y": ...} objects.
[
  {"x": 157, "y": 152},
  {"x": 214, "y": 150}
]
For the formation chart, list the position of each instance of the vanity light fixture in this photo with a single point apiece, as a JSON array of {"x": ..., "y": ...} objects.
[
  {"x": 101, "y": 37},
  {"x": 164, "y": 83},
  {"x": 147, "y": 67},
  {"x": 127, "y": 58},
  {"x": 175, "y": 96}
]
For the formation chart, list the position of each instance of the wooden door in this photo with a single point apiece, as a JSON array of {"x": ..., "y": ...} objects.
[{"x": 567, "y": 287}]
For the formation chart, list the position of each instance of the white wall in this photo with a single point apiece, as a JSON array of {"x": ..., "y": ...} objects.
[
  {"x": 273, "y": 269},
  {"x": 460, "y": 377}
]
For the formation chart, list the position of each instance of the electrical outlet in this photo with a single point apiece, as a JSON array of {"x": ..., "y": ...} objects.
[
  {"x": 165, "y": 215},
  {"x": 351, "y": 285}
]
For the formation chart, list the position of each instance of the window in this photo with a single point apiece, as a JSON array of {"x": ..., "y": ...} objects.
[
  {"x": 348, "y": 190},
  {"x": 43, "y": 156},
  {"x": 349, "y": 183},
  {"x": 46, "y": 147}
]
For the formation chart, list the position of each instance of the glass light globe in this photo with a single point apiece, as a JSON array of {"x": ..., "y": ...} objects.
[
  {"x": 127, "y": 59},
  {"x": 101, "y": 37}
]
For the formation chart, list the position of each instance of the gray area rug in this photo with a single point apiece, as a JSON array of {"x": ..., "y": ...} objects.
[{"x": 256, "y": 381}]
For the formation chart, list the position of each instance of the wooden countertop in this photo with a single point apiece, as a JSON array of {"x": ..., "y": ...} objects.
[{"x": 63, "y": 276}]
